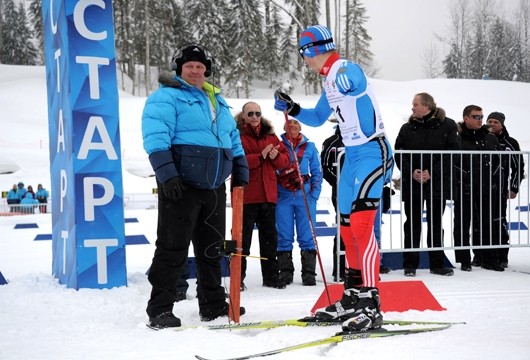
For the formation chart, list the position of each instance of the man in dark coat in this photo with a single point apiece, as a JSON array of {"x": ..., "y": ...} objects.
[
  {"x": 424, "y": 179},
  {"x": 265, "y": 154},
  {"x": 477, "y": 192},
  {"x": 512, "y": 175}
]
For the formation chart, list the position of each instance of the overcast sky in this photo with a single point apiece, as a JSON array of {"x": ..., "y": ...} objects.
[{"x": 401, "y": 30}]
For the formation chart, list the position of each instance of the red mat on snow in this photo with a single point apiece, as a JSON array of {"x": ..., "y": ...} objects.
[{"x": 395, "y": 296}]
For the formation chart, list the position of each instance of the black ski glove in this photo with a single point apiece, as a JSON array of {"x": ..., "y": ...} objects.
[
  {"x": 173, "y": 188},
  {"x": 283, "y": 102}
]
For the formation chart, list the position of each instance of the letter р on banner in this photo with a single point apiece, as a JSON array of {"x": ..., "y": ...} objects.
[{"x": 85, "y": 157}]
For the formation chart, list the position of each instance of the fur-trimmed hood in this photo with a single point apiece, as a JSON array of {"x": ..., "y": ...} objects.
[
  {"x": 167, "y": 78},
  {"x": 437, "y": 114},
  {"x": 266, "y": 127}
]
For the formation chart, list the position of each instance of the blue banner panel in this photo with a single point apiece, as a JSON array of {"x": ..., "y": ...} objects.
[{"x": 88, "y": 237}]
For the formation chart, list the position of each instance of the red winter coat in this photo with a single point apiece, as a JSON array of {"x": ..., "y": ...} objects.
[{"x": 262, "y": 185}]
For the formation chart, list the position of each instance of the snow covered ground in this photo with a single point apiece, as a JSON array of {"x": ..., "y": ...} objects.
[{"x": 41, "y": 319}]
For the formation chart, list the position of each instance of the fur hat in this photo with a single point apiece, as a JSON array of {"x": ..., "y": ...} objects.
[
  {"x": 497, "y": 116},
  {"x": 316, "y": 40}
]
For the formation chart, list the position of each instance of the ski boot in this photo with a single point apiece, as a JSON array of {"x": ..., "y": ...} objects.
[
  {"x": 344, "y": 309},
  {"x": 341, "y": 310},
  {"x": 367, "y": 314}
]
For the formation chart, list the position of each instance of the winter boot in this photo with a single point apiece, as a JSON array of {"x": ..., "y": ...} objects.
[
  {"x": 164, "y": 320},
  {"x": 286, "y": 267},
  {"x": 309, "y": 262},
  {"x": 367, "y": 314},
  {"x": 212, "y": 313},
  {"x": 345, "y": 308}
]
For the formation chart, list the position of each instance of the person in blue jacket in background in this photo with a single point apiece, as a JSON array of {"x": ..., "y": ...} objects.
[
  {"x": 368, "y": 159},
  {"x": 12, "y": 198},
  {"x": 28, "y": 204},
  {"x": 291, "y": 209},
  {"x": 42, "y": 196},
  {"x": 193, "y": 145},
  {"x": 21, "y": 191}
]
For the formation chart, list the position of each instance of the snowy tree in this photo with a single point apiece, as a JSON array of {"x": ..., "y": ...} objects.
[
  {"x": 35, "y": 18},
  {"x": 356, "y": 38},
  {"x": 522, "y": 48},
  {"x": 431, "y": 62},
  {"x": 247, "y": 44},
  {"x": 1, "y": 28},
  {"x": 501, "y": 59},
  {"x": 455, "y": 63},
  {"x": 27, "y": 51},
  {"x": 478, "y": 48},
  {"x": 17, "y": 36}
]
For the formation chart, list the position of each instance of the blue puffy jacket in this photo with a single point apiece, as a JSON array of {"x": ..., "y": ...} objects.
[
  {"x": 28, "y": 200},
  {"x": 185, "y": 136}
]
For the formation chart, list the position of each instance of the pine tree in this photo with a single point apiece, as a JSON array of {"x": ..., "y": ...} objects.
[
  {"x": 35, "y": 19},
  {"x": 356, "y": 38},
  {"x": 16, "y": 34},
  {"x": 247, "y": 44},
  {"x": 28, "y": 51},
  {"x": 1, "y": 28},
  {"x": 500, "y": 64}
]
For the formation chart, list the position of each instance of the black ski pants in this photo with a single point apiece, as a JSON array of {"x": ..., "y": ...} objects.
[
  {"x": 412, "y": 229},
  {"x": 200, "y": 217},
  {"x": 263, "y": 215},
  {"x": 479, "y": 210}
]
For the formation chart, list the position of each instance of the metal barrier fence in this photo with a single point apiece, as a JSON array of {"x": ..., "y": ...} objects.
[
  {"x": 465, "y": 199},
  {"x": 475, "y": 197}
]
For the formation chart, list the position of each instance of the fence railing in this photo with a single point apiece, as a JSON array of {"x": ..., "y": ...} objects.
[
  {"x": 466, "y": 201},
  {"x": 473, "y": 187}
]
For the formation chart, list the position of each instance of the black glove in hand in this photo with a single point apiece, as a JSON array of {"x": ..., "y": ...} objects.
[
  {"x": 236, "y": 183},
  {"x": 173, "y": 188},
  {"x": 283, "y": 102}
]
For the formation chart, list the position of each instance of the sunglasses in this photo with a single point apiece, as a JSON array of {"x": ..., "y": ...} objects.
[
  {"x": 476, "y": 117},
  {"x": 251, "y": 113}
]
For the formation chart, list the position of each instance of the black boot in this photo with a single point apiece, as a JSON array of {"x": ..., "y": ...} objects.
[
  {"x": 367, "y": 314},
  {"x": 309, "y": 263},
  {"x": 286, "y": 267},
  {"x": 346, "y": 307}
]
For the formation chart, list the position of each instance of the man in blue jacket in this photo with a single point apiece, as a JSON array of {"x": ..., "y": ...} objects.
[
  {"x": 368, "y": 160},
  {"x": 193, "y": 146}
]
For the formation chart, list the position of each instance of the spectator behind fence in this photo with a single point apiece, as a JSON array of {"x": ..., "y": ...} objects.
[
  {"x": 21, "y": 191},
  {"x": 42, "y": 196},
  {"x": 12, "y": 198},
  {"x": 30, "y": 190},
  {"x": 265, "y": 154},
  {"x": 28, "y": 204},
  {"x": 477, "y": 193},
  {"x": 424, "y": 180},
  {"x": 511, "y": 178},
  {"x": 291, "y": 210}
]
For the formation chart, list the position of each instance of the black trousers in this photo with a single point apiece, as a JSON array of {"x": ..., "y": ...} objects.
[
  {"x": 263, "y": 215},
  {"x": 200, "y": 217},
  {"x": 413, "y": 228},
  {"x": 505, "y": 234},
  {"x": 479, "y": 212}
]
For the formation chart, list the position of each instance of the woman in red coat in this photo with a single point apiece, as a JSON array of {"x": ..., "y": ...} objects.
[{"x": 265, "y": 154}]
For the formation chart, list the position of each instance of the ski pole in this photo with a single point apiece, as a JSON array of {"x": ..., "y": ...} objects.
[{"x": 308, "y": 212}]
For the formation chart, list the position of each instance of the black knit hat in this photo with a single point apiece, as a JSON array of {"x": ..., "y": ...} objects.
[
  {"x": 497, "y": 116},
  {"x": 194, "y": 53}
]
